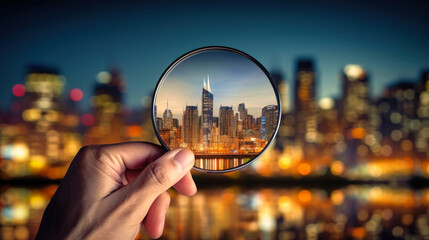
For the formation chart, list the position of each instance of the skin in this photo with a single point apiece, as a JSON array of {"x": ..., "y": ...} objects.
[{"x": 112, "y": 191}]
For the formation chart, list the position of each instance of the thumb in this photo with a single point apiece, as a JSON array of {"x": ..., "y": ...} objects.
[
  {"x": 155, "y": 179},
  {"x": 164, "y": 172}
]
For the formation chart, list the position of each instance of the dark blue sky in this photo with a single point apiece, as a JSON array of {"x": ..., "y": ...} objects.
[{"x": 389, "y": 39}]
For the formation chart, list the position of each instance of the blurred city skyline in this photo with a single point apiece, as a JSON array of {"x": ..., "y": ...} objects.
[
  {"x": 350, "y": 159},
  {"x": 387, "y": 40}
]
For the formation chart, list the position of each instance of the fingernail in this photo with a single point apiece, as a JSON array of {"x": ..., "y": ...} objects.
[{"x": 183, "y": 157}]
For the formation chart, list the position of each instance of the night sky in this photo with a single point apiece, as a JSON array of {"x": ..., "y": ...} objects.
[
  {"x": 389, "y": 39},
  {"x": 234, "y": 79}
]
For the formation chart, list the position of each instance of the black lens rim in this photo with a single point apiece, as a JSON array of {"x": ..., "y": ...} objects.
[{"x": 221, "y": 48}]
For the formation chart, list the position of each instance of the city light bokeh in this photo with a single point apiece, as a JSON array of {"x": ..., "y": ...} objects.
[
  {"x": 353, "y": 139},
  {"x": 354, "y": 212},
  {"x": 350, "y": 159}
]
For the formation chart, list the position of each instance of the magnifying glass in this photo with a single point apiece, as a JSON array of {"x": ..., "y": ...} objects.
[{"x": 219, "y": 102}]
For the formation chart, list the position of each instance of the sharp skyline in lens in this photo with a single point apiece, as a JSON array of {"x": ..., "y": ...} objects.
[{"x": 234, "y": 79}]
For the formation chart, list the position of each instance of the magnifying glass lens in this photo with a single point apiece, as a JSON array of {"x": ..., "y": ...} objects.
[{"x": 220, "y": 103}]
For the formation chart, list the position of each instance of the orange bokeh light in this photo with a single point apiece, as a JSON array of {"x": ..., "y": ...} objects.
[
  {"x": 304, "y": 196},
  {"x": 358, "y": 133},
  {"x": 304, "y": 169}
]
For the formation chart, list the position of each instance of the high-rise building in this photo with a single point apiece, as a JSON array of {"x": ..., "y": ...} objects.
[
  {"x": 422, "y": 139},
  {"x": 283, "y": 88},
  {"x": 354, "y": 114},
  {"x": 329, "y": 126},
  {"x": 242, "y": 114},
  {"x": 216, "y": 121},
  {"x": 169, "y": 137},
  {"x": 108, "y": 109},
  {"x": 168, "y": 129},
  {"x": 191, "y": 127},
  {"x": 250, "y": 121},
  {"x": 226, "y": 121},
  {"x": 43, "y": 114},
  {"x": 271, "y": 115},
  {"x": 167, "y": 119},
  {"x": 175, "y": 123},
  {"x": 286, "y": 134},
  {"x": 180, "y": 135},
  {"x": 355, "y": 100},
  {"x": 305, "y": 101},
  {"x": 400, "y": 124},
  {"x": 215, "y": 137},
  {"x": 41, "y": 130},
  {"x": 207, "y": 113},
  {"x": 159, "y": 123},
  {"x": 155, "y": 111},
  {"x": 235, "y": 127}
]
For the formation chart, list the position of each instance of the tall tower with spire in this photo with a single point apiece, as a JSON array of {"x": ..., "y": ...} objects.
[
  {"x": 207, "y": 113},
  {"x": 168, "y": 119}
]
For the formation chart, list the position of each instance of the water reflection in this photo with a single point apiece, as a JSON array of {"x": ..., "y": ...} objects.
[
  {"x": 354, "y": 212},
  {"x": 22, "y": 210},
  {"x": 221, "y": 162}
]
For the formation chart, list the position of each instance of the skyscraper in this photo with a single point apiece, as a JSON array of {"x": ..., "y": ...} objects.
[
  {"x": 422, "y": 139},
  {"x": 226, "y": 121},
  {"x": 207, "y": 112},
  {"x": 283, "y": 88},
  {"x": 175, "y": 123},
  {"x": 305, "y": 101},
  {"x": 191, "y": 127},
  {"x": 42, "y": 113},
  {"x": 271, "y": 115},
  {"x": 167, "y": 118},
  {"x": 159, "y": 123},
  {"x": 47, "y": 133},
  {"x": 250, "y": 121},
  {"x": 243, "y": 115},
  {"x": 355, "y": 101},
  {"x": 400, "y": 124},
  {"x": 242, "y": 110},
  {"x": 108, "y": 109}
]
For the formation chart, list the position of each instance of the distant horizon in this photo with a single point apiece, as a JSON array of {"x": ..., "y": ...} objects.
[{"x": 160, "y": 114}]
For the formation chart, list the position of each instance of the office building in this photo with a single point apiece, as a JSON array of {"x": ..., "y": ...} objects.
[{"x": 207, "y": 113}]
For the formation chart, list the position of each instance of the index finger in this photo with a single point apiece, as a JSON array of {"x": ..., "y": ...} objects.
[
  {"x": 132, "y": 155},
  {"x": 135, "y": 156}
]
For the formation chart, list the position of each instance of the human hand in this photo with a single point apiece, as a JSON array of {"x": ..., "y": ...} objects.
[{"x": 111, "y": 191}]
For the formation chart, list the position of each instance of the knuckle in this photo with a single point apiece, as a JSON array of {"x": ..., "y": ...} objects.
[
  {"x": 84, "y": 150},
  {"x": 159, "y": 174},
  {"x": 99, "y": 153},
  {"x": 91, "y": 153},
  {"x": 88, "y": 151},
  {"x": 84, "y": 153}
]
